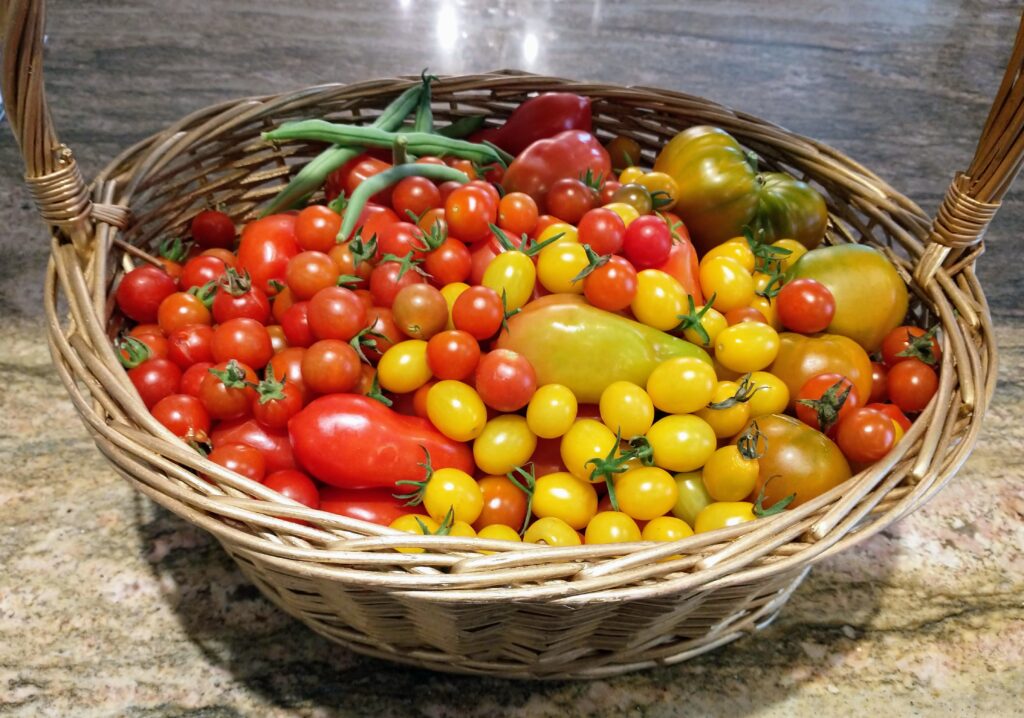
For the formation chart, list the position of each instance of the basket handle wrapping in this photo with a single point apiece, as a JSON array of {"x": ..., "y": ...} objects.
[{"x": 62, "y": 196}]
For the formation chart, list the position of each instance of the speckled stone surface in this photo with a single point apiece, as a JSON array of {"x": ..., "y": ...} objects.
[{"x": 110, "y": 606}]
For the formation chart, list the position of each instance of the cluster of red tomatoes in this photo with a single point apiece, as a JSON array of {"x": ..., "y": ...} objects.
[{"x": 267, "y": 349}]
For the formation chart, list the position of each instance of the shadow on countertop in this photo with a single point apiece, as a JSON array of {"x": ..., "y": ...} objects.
[{"x": 290, "y": 666}]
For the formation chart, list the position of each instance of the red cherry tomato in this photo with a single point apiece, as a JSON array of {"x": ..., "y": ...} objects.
[
  {"x": 611, "y": 286},
  {"x": 192, "y": 378},
  {"x": 183, "y": 415},
  {"x": 865, "y": 436},
  {"x": 336, "y": 313},
  {"x": 236, "y": 298},
  {"x": 266, "y": 247},
  {"x": 647, "y": 242},
  {"x": 806, "y": 306},
  {"x": 213, "y": 228},
  {"x": 331, "y": 366},
  {"x": 569, "y": 199},
  {"x": 450, "y": 262},
  {"x": 912, "y": 343},
  {"x": 226, "y": 390},
  {"x": 316, "y": 228},
  {"x": 389, "y": 278},
  {"x": 150, "y": 335},
  {"x": 276, "y": 402},
  {"x": 296, "y": 485},
  {"x": 383, "y": 331},
  {"x": 453, "y": 354},
  {"x": 505, "y": 380},
  {"x": 243, "y": 339},
  {"x": 142, "y": 290},
  {"x": 912, "y": 384},
  {"x": 155, "y": 379},
  {"x": 744, "y": 314},
  {"x": 603, "y": 230},
  {"x": 399, "y": 239},
  {"x": 826, "y": 392},
  {"x": 517, "y": 214},
  {"x": 295, "y": 323},
  {"x": 894, "y": 413},
  {"x": 272, "y": 443},
  {"x": 469, "y": 212},
  {"x": 504, "y": 503},
  {"x": 287, "y": 364},
  {"x": 608, "y": 190},
  {"x": 879, "y": 383},
  {"x": 415, "y": 195},
  {"x": 361, "y": 171},
  {"x": 309, "y": 272},
  {"x": 200, "y": 271},
  {"x": 372, "y": 221},
  {"x": 478, "y": 311},
  {"x": 241, "y": 459},
  {"x": 180, "y": 310}
]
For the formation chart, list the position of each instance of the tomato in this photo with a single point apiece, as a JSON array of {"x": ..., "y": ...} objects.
[
  {"x": 647, "y": 242},
  {"x": 912, "y": 384},
  {"x": 626, "y": 409},
  {"x": 153, "y": 337},
  {"x": 908, "y": 342},
  {"x": 415, "y": 195},
  {"x": 330, "y": 366},
  {"x": 227, "y": 390},
  {"x": 825, "y": 400},
  {"x": 729, "y": 475},
  {"x": 552, "y": 531},
  {"x": 498, "y": 532},
  {"x": 376, "y": 506},
  {"x": 747, "y": 346},
  {"x": 400, "y": 239},
  {"x": 190, "y": 344},
  {"x": 659, "y": 299},
  {"x": 388, "y": 278},
  {"x": 469, "y": 212},
  {"x": 728, "y": 410},
  {"x": 236, "y": 298},
  {"x": 505, "y": 443},
  {"x": 450, "y": 262},
  {"x": 561, "y": 495},
  {"x": 879, "y": 383},
  {"x": 200, "y": 271},
  {"x": 455, "y": 490},
  {"x": 682, "y": 264},
  {"x": 141, "y": 292},
  {"x": 559, "y": 265},
  {"x": 635, "y": 196},
  {"x": 681, "y": 385},
  {"x": 316, "y": 228},
  {"x": 242, "y": 459},
  {"x": 296, "y": 485},
  {"x": 723, "y": 514},
  {"x": 453, "y": 354},
  {"x": 213, "y": 228},
  {"x": 612, "y": 527},
  {"x": 681, "y": 442},
  {"x": 557, "y": 231},
  {"x": 517, "y": 213},
  {"x": 894, "y": 413},
  {"x": 183, "y": 415},
  {"x": 737, "y": 249},
  {"x": 666, "y": 528},
  {"x": 871, "y": 297},
  {"x": 309, "y": 272},
  {"x": 505, "y": 379},
  {"x": 336, "y": 313},
  {"x": 692, "y": 496},
  {"x": 404, "y": 368},
  {"x": 192, "y": 378},
  {"x": 456, "y": 410},
  {"x": 603, "y": 230},
  {"x": 612, "y": 286},
  {"x": 512, "y": 275},
  {"x": 646, "y": 492},
  {"x": 361, "y": 169},
  {"x": 721, "y": 192},
  {"x": 623, "y": 152},
  {"x": 745, "y": 314},
  {"x": 420, "y": 311},
  {"x": 801, "y": 358},
  {"x": 504, "y": 503},
  {"x": 806, "y": 306},
  {"x": 569, "y": 199},
  {"x": 266, "y": 247},
  {"x": 568, "y": 154},
  {"x": 413, "y": 524},
  {"x": 295, "y": 323},
  {"x": 663, "y": 189},
  {"x": 154, "y": 379},
  {"x": 181, "y": 309},
  {"x": 451, "y": 292},
  {"x": 631, "y": 173},
  {"x": 728, "y": 282},
  {"x": 551, "y": 411},
  {"x": 710, "y": 321},
  {"x": 243, "y": 339},
  {"x": 273, "y": 444},
  {"x": 771, "y": 396},
  {"x": 478, "y": 311},
  {"x": 866, "y": 435},
  {"x": 287, "y": 364}
]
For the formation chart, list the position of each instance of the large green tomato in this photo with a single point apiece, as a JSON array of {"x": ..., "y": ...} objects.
[{"x": 721, "y": 192}]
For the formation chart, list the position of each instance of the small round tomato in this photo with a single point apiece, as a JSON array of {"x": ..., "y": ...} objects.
[
  {"x": 236, "y": 298},
  {"x": 505, "y": 443},
  {"x": 559, "y": 265},
  {"x": 453, "y": 354},
  {"x": 414, "y": 524},
  {"x": 456, "y": 410},
  {"x": 663, "y": 189},
  {"x": 316, "y": 228},
  {"x": 825, "y": 400},
  {"x": 728, "y": 411},
  {"x": 635, "y": 196},
  {"x": 296, "y": 485},
  {"x": 504, "y": 504},
  {"x": 659, "y": 300},
  {"x": 498, "y": 532},
  {"x": 420, "y": 311},
  {"x": 287, "y": 364},
  {"x": 403, "y": 368},
  {"x": 265, "y": 248},
  {"x": 330, "y": 366},
  {"x": 806, "y": 306},
  {"x": 556, "y": 230},
  {"x": 469, "y": 212},
  {"x": 414, "y": 196},
  {"x": 908, "y": 342},
  {"x": 894, "y": 413},
  {"x": 912, "y": 384},
  {"x": 450, "y": 262},
  {"x": 309, "y": 272},
  {"x": 276, "y": 401},
  {"x": 552, "y": 531},
  {"x": 626, "y": 409},
  {"x": 517, "y": 213},
  {"x": 728, "y": 282},
  {"x": 631, "y": 173},
  {"x": 666, "y": 528},
  {"x": 454, "y": 490},
  {"x": 213, "y": 228},
  {"x": 681, "y": 385},
  {"x": 200, "y": 271},
  {"x": 646, "y": 492},
  {"x": 603, "y": 230},
  {"x": 692, "y": 496},
  {"x": 771, "y": 395},
  {"x": 569, "y": 199},
  {"x": 181, "y": 309},
  {"x": 154, "y": 379},
  {"x": 551, "y": 411},
  {"x": 141, "y": 292},
  {"x": 505, "y": 379},
  {"x": 183, "y": 415},
  {"x": 479, "y": 312},
  {"x": 336, "y": 313},
  {"x": 227, "y": 390},
  {"x": 722, "y": 514},
  {"x": 612, "y": 286},
  {"x": 795, "y": 249},
  {"x": 737, "y": 249},
  {"x": 192, "y": 378},
  {"x": 746, "y": 347},
  {"x": 585, "y": 441},
  {"x": 729, "y": 475},
  {"x": 647, "y": 242},
  {"x": 389, "y": 278},
  {"x": 866, "y": 435},
  {"x": 745, "y": 314},
  {"x": 879, "y": 383},
  {"x": 563, "y": 496},
  {"x": 295, "y": 323},
  {"x": 681, "y": 442},
  {"x": 612, "y": 527},
  {"x": 513, "y": 276},
  {"x": 399, "y": 239},
  {"x": 241, "y": 459},
  {"x": 710, "y": 321},
  {"x": 243, "y": 339}
]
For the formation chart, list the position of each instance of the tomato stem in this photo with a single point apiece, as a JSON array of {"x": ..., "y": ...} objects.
[
  {"x": 921, "y": 347},
  {"x": 777, "y": 508},
  {"x": 232, "y": 375},
  {"x": 527, "y": 486},
  {"x": 415, "y": 497},
  {"x": 749, "y": 443},
  {"x": 744, "y": 392},
  {"x": 174, "y": 249},
  {"x": 234, "y": 283},
  {"x": 270, "y": 389},
  {"x": 132, "y": 352},
  {"x": 376, "y": 394},
  {"x": 692, "y": 319},
  {"x": 595, "y": 260},
  {"x": 830, "y": 404}
]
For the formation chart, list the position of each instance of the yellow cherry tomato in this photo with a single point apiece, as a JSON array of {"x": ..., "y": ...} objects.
[
  {"x": 733, "y": 414},
  {"x": 724, "y": 373},
  {"x": 456, "y": 490},
  {"x": 728, "y": 282},
  {"x": 711, "y": 321},
  {"x": 631, "y": 174},
  {"x": 612, "y": 527},
  {"x": 737, "y": 249},
  {"x": 461, "y": 528},
  {"x": 451, "y": 292},
  {"x": 587, "y": 439},
  {"x": 747, "y": 346},
  {"x": 646, "y": 492},
  {"x": 627, "y": 212},
  {"x": 563, "y": 496},
  {"x": 723, "y": 513},
  {"x": 767, "y": 307},
  {"x": 551, "y": 411},
  {"x": 553, "y": 532},
  {"x": 567, "y": 231},
  {"x": 681, "y": 442},
  {"x": 681, "y": 385},
  {"x": 771, "y": 396},
  {"x": 659, "y": 299},
  {"x": 558, "y": 265},
  {"x": 456, "y": 410},
  {"x": 693, "y": 496},
  {"x": 666, "y": 528},
  {"x": 664, "y": 190},
  {"x": 514, "y": 274},
  {"x": 415, "y": 524},
  {"x": 796, "y": 250},
  {"x": 505, "y": 442},
  {"x": 498, "y": 532},
  {"x": 404, "y": 368},
  {"x": 627, "y": 409},
  {"x": 728, "y": 475}
]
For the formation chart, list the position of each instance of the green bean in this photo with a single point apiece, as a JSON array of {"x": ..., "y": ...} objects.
[
  {"x": 420, "y": 143},
  {"x": 372, "y": 185},
  {"x": 311, "y": 177},
  {"x": 424, "y": 121},
  {"x": 459, "y": 129}
]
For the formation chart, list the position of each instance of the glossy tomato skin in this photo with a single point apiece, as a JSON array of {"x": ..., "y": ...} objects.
[
  {"x": 330, "y": 366},
  {"x": 316, "y": 228},
  {"x": 806, "y": 306},
  {"x": 252, "y": 303},
  {"x": 603, "y": 230},
  {"x": 815, "y": 388},
  {"x": 202, "y": 270},
  {"x": 377, "y": 506},
  {"x": 469, "y": 212},
  {"x": 388, "y": 278},
  {"x": 682, "y": 264},
  {"x": 800, "y": 358},
  {"x": 612, "y": 286},
  {"x": 267, "y": 245},
  {"x": 505, "y": 380},
  {"x": 154, "y": 379},
  {"x": 296, "y": 485},
  {"x": 647, "y": 242},
  {"x": 142, "y": 290},
  {"x": 567, "y": 154},
  {"x": 504, "y": 503},
  {"x": 912, "y": 384},
  {"x": 295, "y": 322},
  {"x": 336, "y": 313},
  {"x": 272, "y": 443},
  {"x": 450, "y": 262},
  {"x": 243, "y": 339},
  {"x": 213, "y": 228},
  {"x": 241, "y": 459},
  {"x": 192, "y": 378},
  {"x": 899, "y": 341},
  {"x": 190, "y": 344},
  {"x": 569, "y": 199},
  {"x": 865, "y": 436},
  {"x": 183, "y": 415},
  {"x": 372, "y": 446}
]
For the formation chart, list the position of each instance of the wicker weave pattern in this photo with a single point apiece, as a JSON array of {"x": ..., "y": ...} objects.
[{"x": 523, "y": 611}]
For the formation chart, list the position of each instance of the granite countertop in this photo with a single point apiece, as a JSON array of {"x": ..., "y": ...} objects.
[{"x": 110, "y": 606}]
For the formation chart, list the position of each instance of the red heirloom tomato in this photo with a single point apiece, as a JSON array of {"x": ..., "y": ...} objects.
[
  {"x": 213, "y": 228},
  {"x": 267, "y": 246},
  {"x": 567, "y": 154},
  {"x": 377, "y": 506},
  {"x": 142, "y": 290}
]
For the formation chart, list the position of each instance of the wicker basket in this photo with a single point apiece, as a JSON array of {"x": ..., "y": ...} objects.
[{"x": 524, "y": 611}]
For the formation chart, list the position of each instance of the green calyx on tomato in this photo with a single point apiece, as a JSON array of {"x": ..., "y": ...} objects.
[
  {"x": 744, "y": 392},
  {"x": 415, "y": 497},
  {"x": 721, "y": 192},
  {"x": 527, "y": 483},
  {"x": 405, "y": 263},
  {"x": 801, "y": 358},
  {"x": 133, "y": 352},
  {"x": 527, "y": 245},
  {"x": 608, "y": 467},
  {"x": 692, "y": 319},
  {"x": 174, "y": 249},
  {"x": 761, "y": 511},
  {"x": 750, "y": 442},
  {"x": 830, "y": 404},
  {"x": 566, "y": 155},
  {"x": 232, "y": 375},
  {"x": 269, "y": 388},
  {"x": 376, "y": 394},
  {"x": 767, "y": 257},
  {"x": 922, "y": 347},
  {"x": 595, "y": 260},
  {"x": 443, "y": 529},
  {"x": 205, "y": 293}
]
